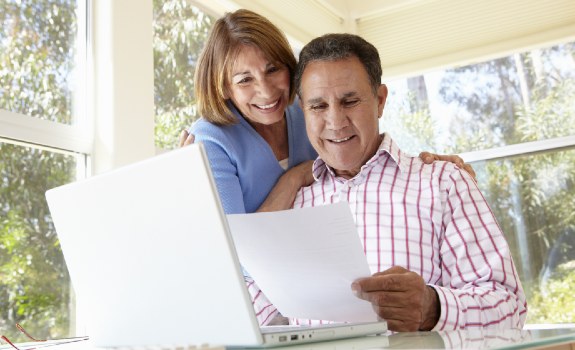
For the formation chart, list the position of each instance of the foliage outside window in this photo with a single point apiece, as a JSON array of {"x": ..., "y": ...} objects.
[
  {"x": 37, "y": 57},
  {"x": 525, "y": 97},
  {"x": 37, "y": 79},
  {"x": 34, "y": 282},
  {"x": 180, "y": 30}
]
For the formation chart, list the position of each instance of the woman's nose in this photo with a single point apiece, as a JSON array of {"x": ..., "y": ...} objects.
[{"x": 265, "y": 87}]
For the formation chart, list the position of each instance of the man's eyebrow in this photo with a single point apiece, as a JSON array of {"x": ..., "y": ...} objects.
[
  {"x": 350, "y": 94},
  {"x": 320, "y": 99},
  {"x": 314, "y": 100}
]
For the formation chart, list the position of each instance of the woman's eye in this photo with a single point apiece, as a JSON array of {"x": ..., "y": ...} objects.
[
  {"x": 244, "y": 81},
  {"x": 273, "y": 69}
]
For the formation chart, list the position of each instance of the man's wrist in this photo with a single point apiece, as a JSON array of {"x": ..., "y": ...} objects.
[{"x": 432, "y": 310}]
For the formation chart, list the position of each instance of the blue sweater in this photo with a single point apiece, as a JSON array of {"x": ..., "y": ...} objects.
[{"x": 244, "y": 166}]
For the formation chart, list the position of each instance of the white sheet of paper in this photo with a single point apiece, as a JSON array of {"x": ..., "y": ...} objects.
[{"x": 304, "y": 260}]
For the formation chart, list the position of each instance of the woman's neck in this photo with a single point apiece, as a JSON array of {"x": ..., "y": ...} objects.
[{"x": 275, "y": 135}]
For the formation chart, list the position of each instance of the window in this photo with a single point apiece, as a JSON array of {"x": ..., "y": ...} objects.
[
  {"x": 42, "y": 145},
  {"x": 514, "y": 118},
  {"x": 180, "y": 30}
]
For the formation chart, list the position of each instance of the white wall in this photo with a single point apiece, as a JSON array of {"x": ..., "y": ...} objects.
[{"x": 121, "y": 51}]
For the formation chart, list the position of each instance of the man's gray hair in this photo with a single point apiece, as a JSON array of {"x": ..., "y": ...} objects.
[{"x": 335, "y": 47}]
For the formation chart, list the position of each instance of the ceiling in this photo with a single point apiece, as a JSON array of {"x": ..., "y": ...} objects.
[{"x": 414, "y": 36}]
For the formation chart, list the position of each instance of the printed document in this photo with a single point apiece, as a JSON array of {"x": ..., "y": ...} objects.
[{"x": 304, "y": 261}]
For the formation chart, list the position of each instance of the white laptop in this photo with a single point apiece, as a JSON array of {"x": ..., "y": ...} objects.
[{"x": 152, "y": 261}]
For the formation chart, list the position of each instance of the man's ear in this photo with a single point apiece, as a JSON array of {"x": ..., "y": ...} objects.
[{"x": 381, "y": 98}]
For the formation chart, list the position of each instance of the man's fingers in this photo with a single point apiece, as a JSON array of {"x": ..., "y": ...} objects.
[
  {"x": 393, "y": 279},
  {"x": 392, "y": 270},
  {"x": 401, "y": 326},
  {"x": 186, "y": 138},
  {"x": 403, "y": 319},
  {"x": 391, "y": 299}
]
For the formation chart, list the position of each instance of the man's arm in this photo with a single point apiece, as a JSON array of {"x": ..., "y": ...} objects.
[
  {"x": 479, "y": 285},
  {"x": 266, "y": 312}
]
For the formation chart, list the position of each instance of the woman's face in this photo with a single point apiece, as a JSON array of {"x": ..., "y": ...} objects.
[{"x": 259, "y": 88}]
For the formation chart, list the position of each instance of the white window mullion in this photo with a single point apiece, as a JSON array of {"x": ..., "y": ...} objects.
[
  {"x": 23, "y": 128},
  {"x": 520, "y": 149}
]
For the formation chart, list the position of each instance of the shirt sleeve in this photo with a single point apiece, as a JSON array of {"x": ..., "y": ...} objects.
[
  {"x": 480, "y": 286},
  {"x": 265, "y": 310}
]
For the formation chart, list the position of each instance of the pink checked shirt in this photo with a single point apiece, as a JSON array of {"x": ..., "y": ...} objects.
[{"x": 430, "y": 219}]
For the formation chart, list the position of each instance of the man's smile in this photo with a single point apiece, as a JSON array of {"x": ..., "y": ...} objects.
[{"x": 344, "y": 139}]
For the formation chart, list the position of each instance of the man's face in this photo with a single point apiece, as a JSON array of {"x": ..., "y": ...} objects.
[{"x": 341, "y": 113}]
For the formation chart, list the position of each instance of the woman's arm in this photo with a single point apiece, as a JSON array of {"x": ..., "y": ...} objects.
[{"x": 283, "y": 194}]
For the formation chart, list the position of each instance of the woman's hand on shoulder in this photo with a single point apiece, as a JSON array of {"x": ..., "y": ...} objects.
[
  {"x": 186, "y": 138},
  {"x": 284, "y": 192},
  {"x": 429, "y": 158},
  {"x": 303, "y": 173}
]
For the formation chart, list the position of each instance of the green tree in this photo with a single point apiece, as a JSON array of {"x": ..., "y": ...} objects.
[
  {"x": 410, "y": 122},
  {"x": 34, "y": 283},
  {"x": 180, "y": 31},
  {"x": 37, "y": 56},
  {"x": 37, "y": 49}
]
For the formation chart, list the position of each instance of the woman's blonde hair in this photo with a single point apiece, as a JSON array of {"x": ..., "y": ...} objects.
[{"x": 229, "y": 33}]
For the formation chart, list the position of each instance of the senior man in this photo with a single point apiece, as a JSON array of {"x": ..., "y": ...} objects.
[{"x": 438, "y": 257}]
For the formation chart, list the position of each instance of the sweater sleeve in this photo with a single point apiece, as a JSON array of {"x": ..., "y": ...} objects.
[
  {"x": 480, "y": 286},
  {"x": 225, "y": 175}
]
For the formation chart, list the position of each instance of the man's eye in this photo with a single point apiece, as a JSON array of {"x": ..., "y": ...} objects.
[
  {"x": 350, "y": 103},
  {"x": 317, "y": 107}
]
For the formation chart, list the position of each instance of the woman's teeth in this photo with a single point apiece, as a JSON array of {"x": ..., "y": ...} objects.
[{"x": 267, "y": 106}]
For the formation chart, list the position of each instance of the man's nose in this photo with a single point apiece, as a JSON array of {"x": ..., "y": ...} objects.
[{"x": 336, "y": 118}]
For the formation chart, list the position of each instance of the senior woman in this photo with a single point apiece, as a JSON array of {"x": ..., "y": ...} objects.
[{"x": 253, "y": 132}]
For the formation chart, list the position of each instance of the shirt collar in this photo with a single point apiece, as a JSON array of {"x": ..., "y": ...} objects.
[{"x": 387, "y": 147}]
